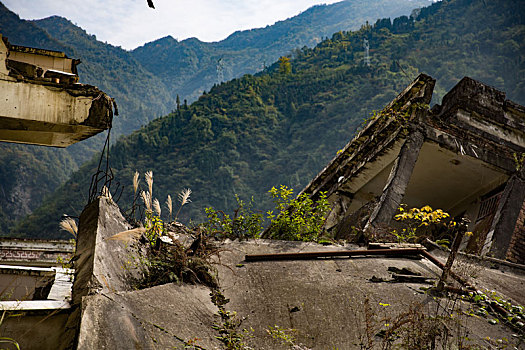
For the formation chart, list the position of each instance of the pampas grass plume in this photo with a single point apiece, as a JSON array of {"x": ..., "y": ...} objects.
[
  {"x": 156, "y": 206},
  {"x": 69, "y": 225},
  {"x": 184, "y": 196},
  {"x": 136, "y": 181},
  {"x": 149, "y": 181},
  {"x": 146, "y": 197},
  {"x": 127, "y": 236},
  {"x": 169, "y": 204}
]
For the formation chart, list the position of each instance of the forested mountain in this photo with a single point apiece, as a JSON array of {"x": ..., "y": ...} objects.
[
  {"x": 145, "y": 82},
  {"x": 284, "y": 124},
  {"x": 190, "y": 66}
]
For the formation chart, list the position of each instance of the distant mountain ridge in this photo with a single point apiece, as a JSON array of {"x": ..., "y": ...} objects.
[{"x": 190, "y": 66}]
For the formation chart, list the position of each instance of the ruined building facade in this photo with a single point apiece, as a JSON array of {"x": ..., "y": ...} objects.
[{"x": 465, "y": 156}]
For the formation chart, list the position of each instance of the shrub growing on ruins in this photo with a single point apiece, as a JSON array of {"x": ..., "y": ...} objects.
[
  {"x": 245, "y": 223},
  {"x": 294, "y": 219},
  {"x": 297, "y": 219},
  {"x": 173, "y": 262},
  {"x": 164, "y": 258}
]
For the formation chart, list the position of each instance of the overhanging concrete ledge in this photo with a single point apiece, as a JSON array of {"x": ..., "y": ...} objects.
[{"x": 33, "y": 305}]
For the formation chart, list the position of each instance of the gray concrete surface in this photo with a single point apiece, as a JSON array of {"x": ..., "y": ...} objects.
[{"x": 322, "y": 300}]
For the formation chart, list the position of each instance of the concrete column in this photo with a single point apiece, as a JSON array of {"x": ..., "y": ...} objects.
[
  {"x": 397, "y": 182},
  {"x": 504, "y": 223},
  {"x": 103, "y": 264}
]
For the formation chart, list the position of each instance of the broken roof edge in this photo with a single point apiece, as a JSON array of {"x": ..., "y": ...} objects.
[
  {"x": 419, "y": 91},
  {"x": 29, "y": 49},
  {"x": 475, "y": 96}
]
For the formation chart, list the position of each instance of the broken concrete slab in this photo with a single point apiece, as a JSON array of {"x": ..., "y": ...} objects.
[
  {"x": 166, "y": 316},
  {"x": 328, "y": 292},
  {"x": 301, "y": 295},
  {"x": 42, "y": 102}
]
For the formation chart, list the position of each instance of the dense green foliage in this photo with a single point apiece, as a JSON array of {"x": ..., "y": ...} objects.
[
  {"x": 252, "y": 133},
  {"x": 293, "y": 219},
  {"x": 147, "y": 81},
  {"x": 297, "y": 219},
  {"x": 243, "y": 224},
  {"x": 28, "y": 185}
]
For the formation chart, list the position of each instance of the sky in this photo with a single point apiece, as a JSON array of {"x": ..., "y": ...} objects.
[{"x": 131, "y": 23}]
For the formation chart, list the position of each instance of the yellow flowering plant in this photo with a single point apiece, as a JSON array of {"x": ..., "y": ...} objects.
[{"x": 415, "y": 219}]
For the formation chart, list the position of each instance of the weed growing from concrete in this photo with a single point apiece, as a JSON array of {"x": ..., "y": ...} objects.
[
  {"x": 166, "y": 260},
  {"x": 294, "y": 219},
  {"x": 230, "y": 333},
  {"x": 286, "y": 336},
  {"x": 496, "y": 309},
  {"x": 415, "y": 219},
  {"x": 173, "y": 262},
  {"x": 438, "y": 323}
]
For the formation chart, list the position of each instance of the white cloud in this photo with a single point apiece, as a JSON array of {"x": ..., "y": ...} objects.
[{"x": 131, "y": 23}]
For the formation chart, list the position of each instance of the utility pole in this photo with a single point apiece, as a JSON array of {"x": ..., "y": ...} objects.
[
  {"x": 367, "y": 52},
  {"x": 220, "y": 71}
]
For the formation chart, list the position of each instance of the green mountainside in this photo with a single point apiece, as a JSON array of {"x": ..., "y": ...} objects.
[
  {"x": 145, "y": 82},
  {"x": 27, "y": 172},
  {"x": 284, "y": 124},
  {"x": 190, "y": 66}
]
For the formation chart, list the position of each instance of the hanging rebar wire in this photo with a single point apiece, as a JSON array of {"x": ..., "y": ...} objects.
[{"x": 103, "y": 177}]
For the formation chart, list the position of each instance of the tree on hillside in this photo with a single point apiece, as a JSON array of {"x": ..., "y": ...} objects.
[{"x": 285, "y": 67}]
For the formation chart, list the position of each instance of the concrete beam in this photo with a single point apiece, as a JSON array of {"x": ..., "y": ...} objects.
[
  {"x": 479, "y": 149},
  {"x": 42, "y": 103},
  {"x": 50, "y": 115},
  {"x": 397, "y": 181}
]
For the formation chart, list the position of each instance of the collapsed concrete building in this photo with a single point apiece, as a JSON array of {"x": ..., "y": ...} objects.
[
  {"x": 465, "y": 156},
  {"x": 322, "y": 300},
  {"x": 42, "y": 101}
]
